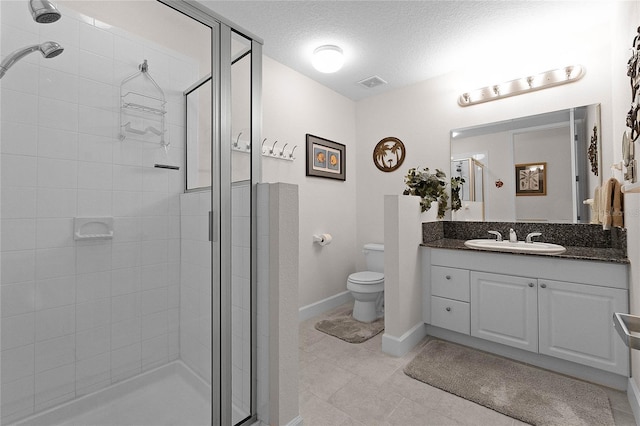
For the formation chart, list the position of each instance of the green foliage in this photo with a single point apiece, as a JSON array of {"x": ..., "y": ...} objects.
[
  {"x": 428, "y": 186},
  {"x": 456, "y": 186}
]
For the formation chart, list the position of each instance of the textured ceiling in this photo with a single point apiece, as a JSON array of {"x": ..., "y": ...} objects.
[{"x": 405, "y": 42}]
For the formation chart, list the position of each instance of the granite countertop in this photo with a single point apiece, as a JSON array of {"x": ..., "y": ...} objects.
[{"x": 611, "y": 255}]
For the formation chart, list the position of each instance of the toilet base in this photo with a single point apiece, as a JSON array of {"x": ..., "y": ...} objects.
[{"x": 369, "y": 310}]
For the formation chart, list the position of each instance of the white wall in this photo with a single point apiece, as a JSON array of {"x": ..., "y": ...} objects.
[
  {"x": 293, "y": 106},
  {"x": 422, "y": 115}
]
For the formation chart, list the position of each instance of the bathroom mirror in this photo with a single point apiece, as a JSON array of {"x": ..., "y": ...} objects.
[{"x": 487, "y": 158}]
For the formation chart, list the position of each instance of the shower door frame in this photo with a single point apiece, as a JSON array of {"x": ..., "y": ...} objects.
[{"x": 221, "y": 29}]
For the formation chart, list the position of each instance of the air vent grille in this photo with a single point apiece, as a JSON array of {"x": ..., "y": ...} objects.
[{"x": 372, "y": 82}]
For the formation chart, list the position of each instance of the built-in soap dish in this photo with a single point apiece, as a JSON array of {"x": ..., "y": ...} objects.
[
  {"x": 628, "y": 327},
  {"x": 92, "y": 228}
]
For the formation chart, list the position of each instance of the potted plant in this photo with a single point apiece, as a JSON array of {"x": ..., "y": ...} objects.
[{"x": 429, "y": 187}]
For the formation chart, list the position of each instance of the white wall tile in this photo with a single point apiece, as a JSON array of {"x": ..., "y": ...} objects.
[
  {"x": 125, "y": 281},
  {"x": 53, "y": 384},
  {"x": 54, "y": 173},
  {"x": 93, "y": 314},
  {"x": 56, "y": 202},
  {"x": 55, "y": 322},
  {"x": 125, "y": 362},
  {"x": 127, "y": 178},
  {"x": 96, "y": 40},
  {"x": 92, "y": 372},
  {"x": 125, "y": 333},
  {"x": 93, "y": 256},
  {"x": 17, "y": 397},
  {"x": 95, "y": 176},
  {"x": 17, "y": 202},
  {"x": 95, "y": 148},
  {"x": 18, "y": 234},
  {"x": 94, "y": 202},
  {"x": 127, "y": 203},
  {"x": 125, "y": 255},
  {"x": 18, "y": 330},
  {"x": 55, "y": 353},
  {"x": 95, "y": 67},
  {"x": 97, "y": 95},
  {"x": 55, "y": 292},
  {"x": 17, "y": 363},
  {"x": 153, "y": 301},
  {"x": 92, "y": 342},
  {"x": 153, "y": 253},
  {"x": 17, "y": 106},
  {"x": 56, "y": 143},
  {"x": 154, "y": 276},
  {"x": 17, "y": 299},
  {"x": 127, "y": 229},
  {"x": 154, "y": 325},
  {"x": 52, "y": 233},
  {"x": 18, "y": 138},
  {"x": 125, "y": 306},
  {"x": 154, "y": 352},
  {"x": 97, "y": 121},
  {"x": 93, "y": 286},
  {"x": 19, "y": 170},
  {"x": 58, "y": 85},
  {"x": 55, "y": 262},
  {"x": 17, "y": 266},
  {"x": 57, "y": 114}
]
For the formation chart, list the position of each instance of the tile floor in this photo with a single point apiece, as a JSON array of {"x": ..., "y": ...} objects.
[{"x": 356, "y": 384}]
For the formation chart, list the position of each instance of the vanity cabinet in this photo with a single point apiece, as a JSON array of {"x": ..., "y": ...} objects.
[
  {"x": 504, "y": 309},
  {"x": 550, "y": 306}
]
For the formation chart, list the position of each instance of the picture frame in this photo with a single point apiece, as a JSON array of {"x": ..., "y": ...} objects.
[
  {"x": 531, "y": 179},
  {"x": 325, "y": 158}
]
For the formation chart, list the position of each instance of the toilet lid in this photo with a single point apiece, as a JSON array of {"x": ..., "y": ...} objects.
[{"x": 366, "y": 277}]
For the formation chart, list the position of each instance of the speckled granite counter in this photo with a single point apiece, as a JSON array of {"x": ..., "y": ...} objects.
[{"x": 582, "y": 241}]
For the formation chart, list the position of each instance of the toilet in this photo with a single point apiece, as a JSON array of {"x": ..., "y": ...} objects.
[{"x": 367, "y": 287}]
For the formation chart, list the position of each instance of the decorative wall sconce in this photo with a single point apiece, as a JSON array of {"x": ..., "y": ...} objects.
[{"x": 519, "y": 86}]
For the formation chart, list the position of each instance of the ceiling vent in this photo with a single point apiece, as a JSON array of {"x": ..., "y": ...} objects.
[{"x": 372, "y": 82}]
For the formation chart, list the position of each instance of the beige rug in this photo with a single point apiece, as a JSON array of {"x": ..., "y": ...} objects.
[
  {"x": 344, "y": 327},
  {"x": 521, "y": 391}
]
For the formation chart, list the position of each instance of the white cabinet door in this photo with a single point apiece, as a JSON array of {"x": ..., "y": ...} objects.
[
  {"x": 576, "y": 324},
  {"x": 504, "y": 309}
]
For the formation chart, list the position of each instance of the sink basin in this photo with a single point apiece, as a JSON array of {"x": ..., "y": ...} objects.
[{"x": 518, "y": 247}]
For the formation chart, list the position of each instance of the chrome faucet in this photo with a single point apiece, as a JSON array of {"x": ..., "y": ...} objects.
[
  {"x": 531, "y": 235},
  {"x": 497, "y": 234},
  {"x": 513, "y": 238}
]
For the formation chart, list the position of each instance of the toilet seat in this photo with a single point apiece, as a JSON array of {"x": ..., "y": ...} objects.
[{"x": 366, "y": 278}]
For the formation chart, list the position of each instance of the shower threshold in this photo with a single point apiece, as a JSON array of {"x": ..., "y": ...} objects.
[{"x": 168, "y": 395}]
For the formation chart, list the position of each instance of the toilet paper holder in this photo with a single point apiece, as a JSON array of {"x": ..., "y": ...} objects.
[{"x": 322, "y": 239}]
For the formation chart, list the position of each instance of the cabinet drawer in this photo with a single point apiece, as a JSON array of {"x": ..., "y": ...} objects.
[
  {"x": 450, "y": 314},
  {"x": 451, "y": 283}
]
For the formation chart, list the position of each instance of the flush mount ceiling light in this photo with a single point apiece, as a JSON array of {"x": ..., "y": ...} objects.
[
  {"x": 527, "y": 84},
  {"x": 328, "y": 58}
]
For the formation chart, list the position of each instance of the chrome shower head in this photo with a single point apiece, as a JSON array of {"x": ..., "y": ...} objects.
[
  {"x": 49, "y": 49},
  {"x": 43, "y": 11}
]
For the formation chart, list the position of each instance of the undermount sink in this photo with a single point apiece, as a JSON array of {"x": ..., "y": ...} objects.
[{"x": 517, "y": 247}]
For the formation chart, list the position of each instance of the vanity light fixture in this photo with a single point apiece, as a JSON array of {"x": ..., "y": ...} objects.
[
  {"x": 328, "y": 58},
  {"x": 527, "y": 84}
]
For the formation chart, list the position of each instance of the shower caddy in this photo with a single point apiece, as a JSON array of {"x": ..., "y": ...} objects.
[{"x": 143, "y": 104}]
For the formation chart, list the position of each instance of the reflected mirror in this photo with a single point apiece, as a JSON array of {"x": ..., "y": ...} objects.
[{"x": 499, "y": 185}]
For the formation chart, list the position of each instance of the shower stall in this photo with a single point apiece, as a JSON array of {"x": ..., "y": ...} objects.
[{"x": 127, "y": 214}]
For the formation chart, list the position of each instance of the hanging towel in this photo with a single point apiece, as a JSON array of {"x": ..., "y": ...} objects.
[
  {"x": 611, "y": 204},
  {"x": 595, "y": 206}
]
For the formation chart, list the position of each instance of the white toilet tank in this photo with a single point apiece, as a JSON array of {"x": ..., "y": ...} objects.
[{"x": 374, "y": 257}]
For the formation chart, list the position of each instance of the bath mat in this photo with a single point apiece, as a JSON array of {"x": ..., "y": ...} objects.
[
  {"x": 521, "y": 391},
  {"x": 348, "y": 329}
]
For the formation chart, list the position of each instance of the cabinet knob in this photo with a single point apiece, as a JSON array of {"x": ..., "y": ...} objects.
[
  {"x": 448, "y": 277},
  {"x": 448, "y": 309},
  {"x": 543, "y": 285},
  {"x": 530, "y": 284}
]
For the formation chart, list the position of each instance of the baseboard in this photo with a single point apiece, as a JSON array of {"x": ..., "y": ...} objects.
[
  {"x": 633, "y": 395},
  {"x": 317, "y": 308},
  {"x": 400, "y": 346}
]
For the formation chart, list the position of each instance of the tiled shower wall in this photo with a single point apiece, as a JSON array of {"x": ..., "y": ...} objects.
[
  {"x": 80, "y": 315},
  {"x": 195, "y": 302}
]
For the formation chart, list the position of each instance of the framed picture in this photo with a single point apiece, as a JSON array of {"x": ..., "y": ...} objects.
[
  {"x": 531, "y": 179},
  {"x": 325, "y": 158}
]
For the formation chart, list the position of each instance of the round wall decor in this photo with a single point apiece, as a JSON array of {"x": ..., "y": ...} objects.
[{"x": 389, "y": 154}]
